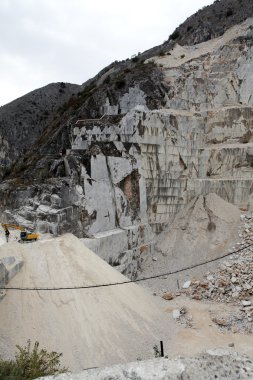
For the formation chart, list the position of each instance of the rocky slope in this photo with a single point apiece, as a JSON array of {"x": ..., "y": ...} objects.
[
  {"x": 23, "y": 120},
  {"x": 145, "y": 136},
  {"x": 233, "y": 280},
  {"x": 212, "y": 21}
]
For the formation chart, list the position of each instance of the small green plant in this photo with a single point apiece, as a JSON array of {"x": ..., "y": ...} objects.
[
  {"x": 156, "y": 351},
  {"x": 174, "y": 35},
  {"x": 229, "y": 12},
  {"x": 107, "y": 80},
  {"x": 120, "y": 83},
  {"x": 31, "y": 363},
  {"x": 140, "y": 62},
  {"x": 135, "y": 59}
]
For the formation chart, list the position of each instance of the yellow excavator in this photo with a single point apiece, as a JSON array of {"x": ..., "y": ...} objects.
[{"x": 24, "y": 235}]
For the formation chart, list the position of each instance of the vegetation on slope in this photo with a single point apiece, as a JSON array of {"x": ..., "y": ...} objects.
[{"x": 31, "y": 363}]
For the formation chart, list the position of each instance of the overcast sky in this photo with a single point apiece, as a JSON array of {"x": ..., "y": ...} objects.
[{"x": 44, "y": 41}]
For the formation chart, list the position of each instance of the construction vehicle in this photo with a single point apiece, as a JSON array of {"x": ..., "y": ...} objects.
[{"x": 24, "y": 235}]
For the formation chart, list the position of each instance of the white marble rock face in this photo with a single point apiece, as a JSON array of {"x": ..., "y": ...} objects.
[{"x": 201, "y": 141}]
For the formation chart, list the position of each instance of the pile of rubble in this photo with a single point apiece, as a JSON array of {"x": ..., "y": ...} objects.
[
  {"x": 233, "y": 281},
  {"x": 183, "y": 316},
  {"x": 240, "y": 321}
]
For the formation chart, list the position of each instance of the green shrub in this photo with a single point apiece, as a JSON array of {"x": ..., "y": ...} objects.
[
  {"x": 107, "y": 80},
  {"x": 157, "y": 352},
  {"x": 120, "y": 83},
  {"x": 140, "y": 62},
  {"x": 31, "y": 363},
  {"x": 229, "y": 12},
  {"x": 135, "y": 59},
  {"x": 174, "y": 35}
]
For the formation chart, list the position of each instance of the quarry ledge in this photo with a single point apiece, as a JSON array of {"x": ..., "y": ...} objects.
[{"x": 222, "y": 362}]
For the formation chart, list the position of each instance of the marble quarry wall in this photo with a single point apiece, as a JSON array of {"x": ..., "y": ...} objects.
[
  {"x": 135, "y": 168},
  {"x": 200, "y": 142}
]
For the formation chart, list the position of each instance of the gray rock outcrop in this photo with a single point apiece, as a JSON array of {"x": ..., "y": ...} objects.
[
  {"x": 23, "y": 121},
  {"x": 215, "y": 364}
]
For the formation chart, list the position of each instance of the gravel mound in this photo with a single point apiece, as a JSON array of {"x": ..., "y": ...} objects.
[{"x": 91, "y": 327}]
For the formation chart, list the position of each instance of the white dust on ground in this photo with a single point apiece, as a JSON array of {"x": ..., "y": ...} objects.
[{"x": 91, "y": 327}]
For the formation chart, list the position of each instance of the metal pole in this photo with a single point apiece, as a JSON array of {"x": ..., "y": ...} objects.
[{"x": 161, "y": 345}]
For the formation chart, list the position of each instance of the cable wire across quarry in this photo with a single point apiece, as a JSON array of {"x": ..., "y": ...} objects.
[{"x": 128, "y": 281}]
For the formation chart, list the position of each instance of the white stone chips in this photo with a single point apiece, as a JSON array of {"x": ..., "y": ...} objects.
[{"x": 91, "y": 327}]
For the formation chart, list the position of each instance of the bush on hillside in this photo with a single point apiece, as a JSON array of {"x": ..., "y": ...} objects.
[
  {"x": 120, "y": 83},
  {"x": 229, "y": 12},
  {"x": 174, "y": 35},
  {"x": 31, "y": 363},
  {"x": 135, "y": 59}
]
